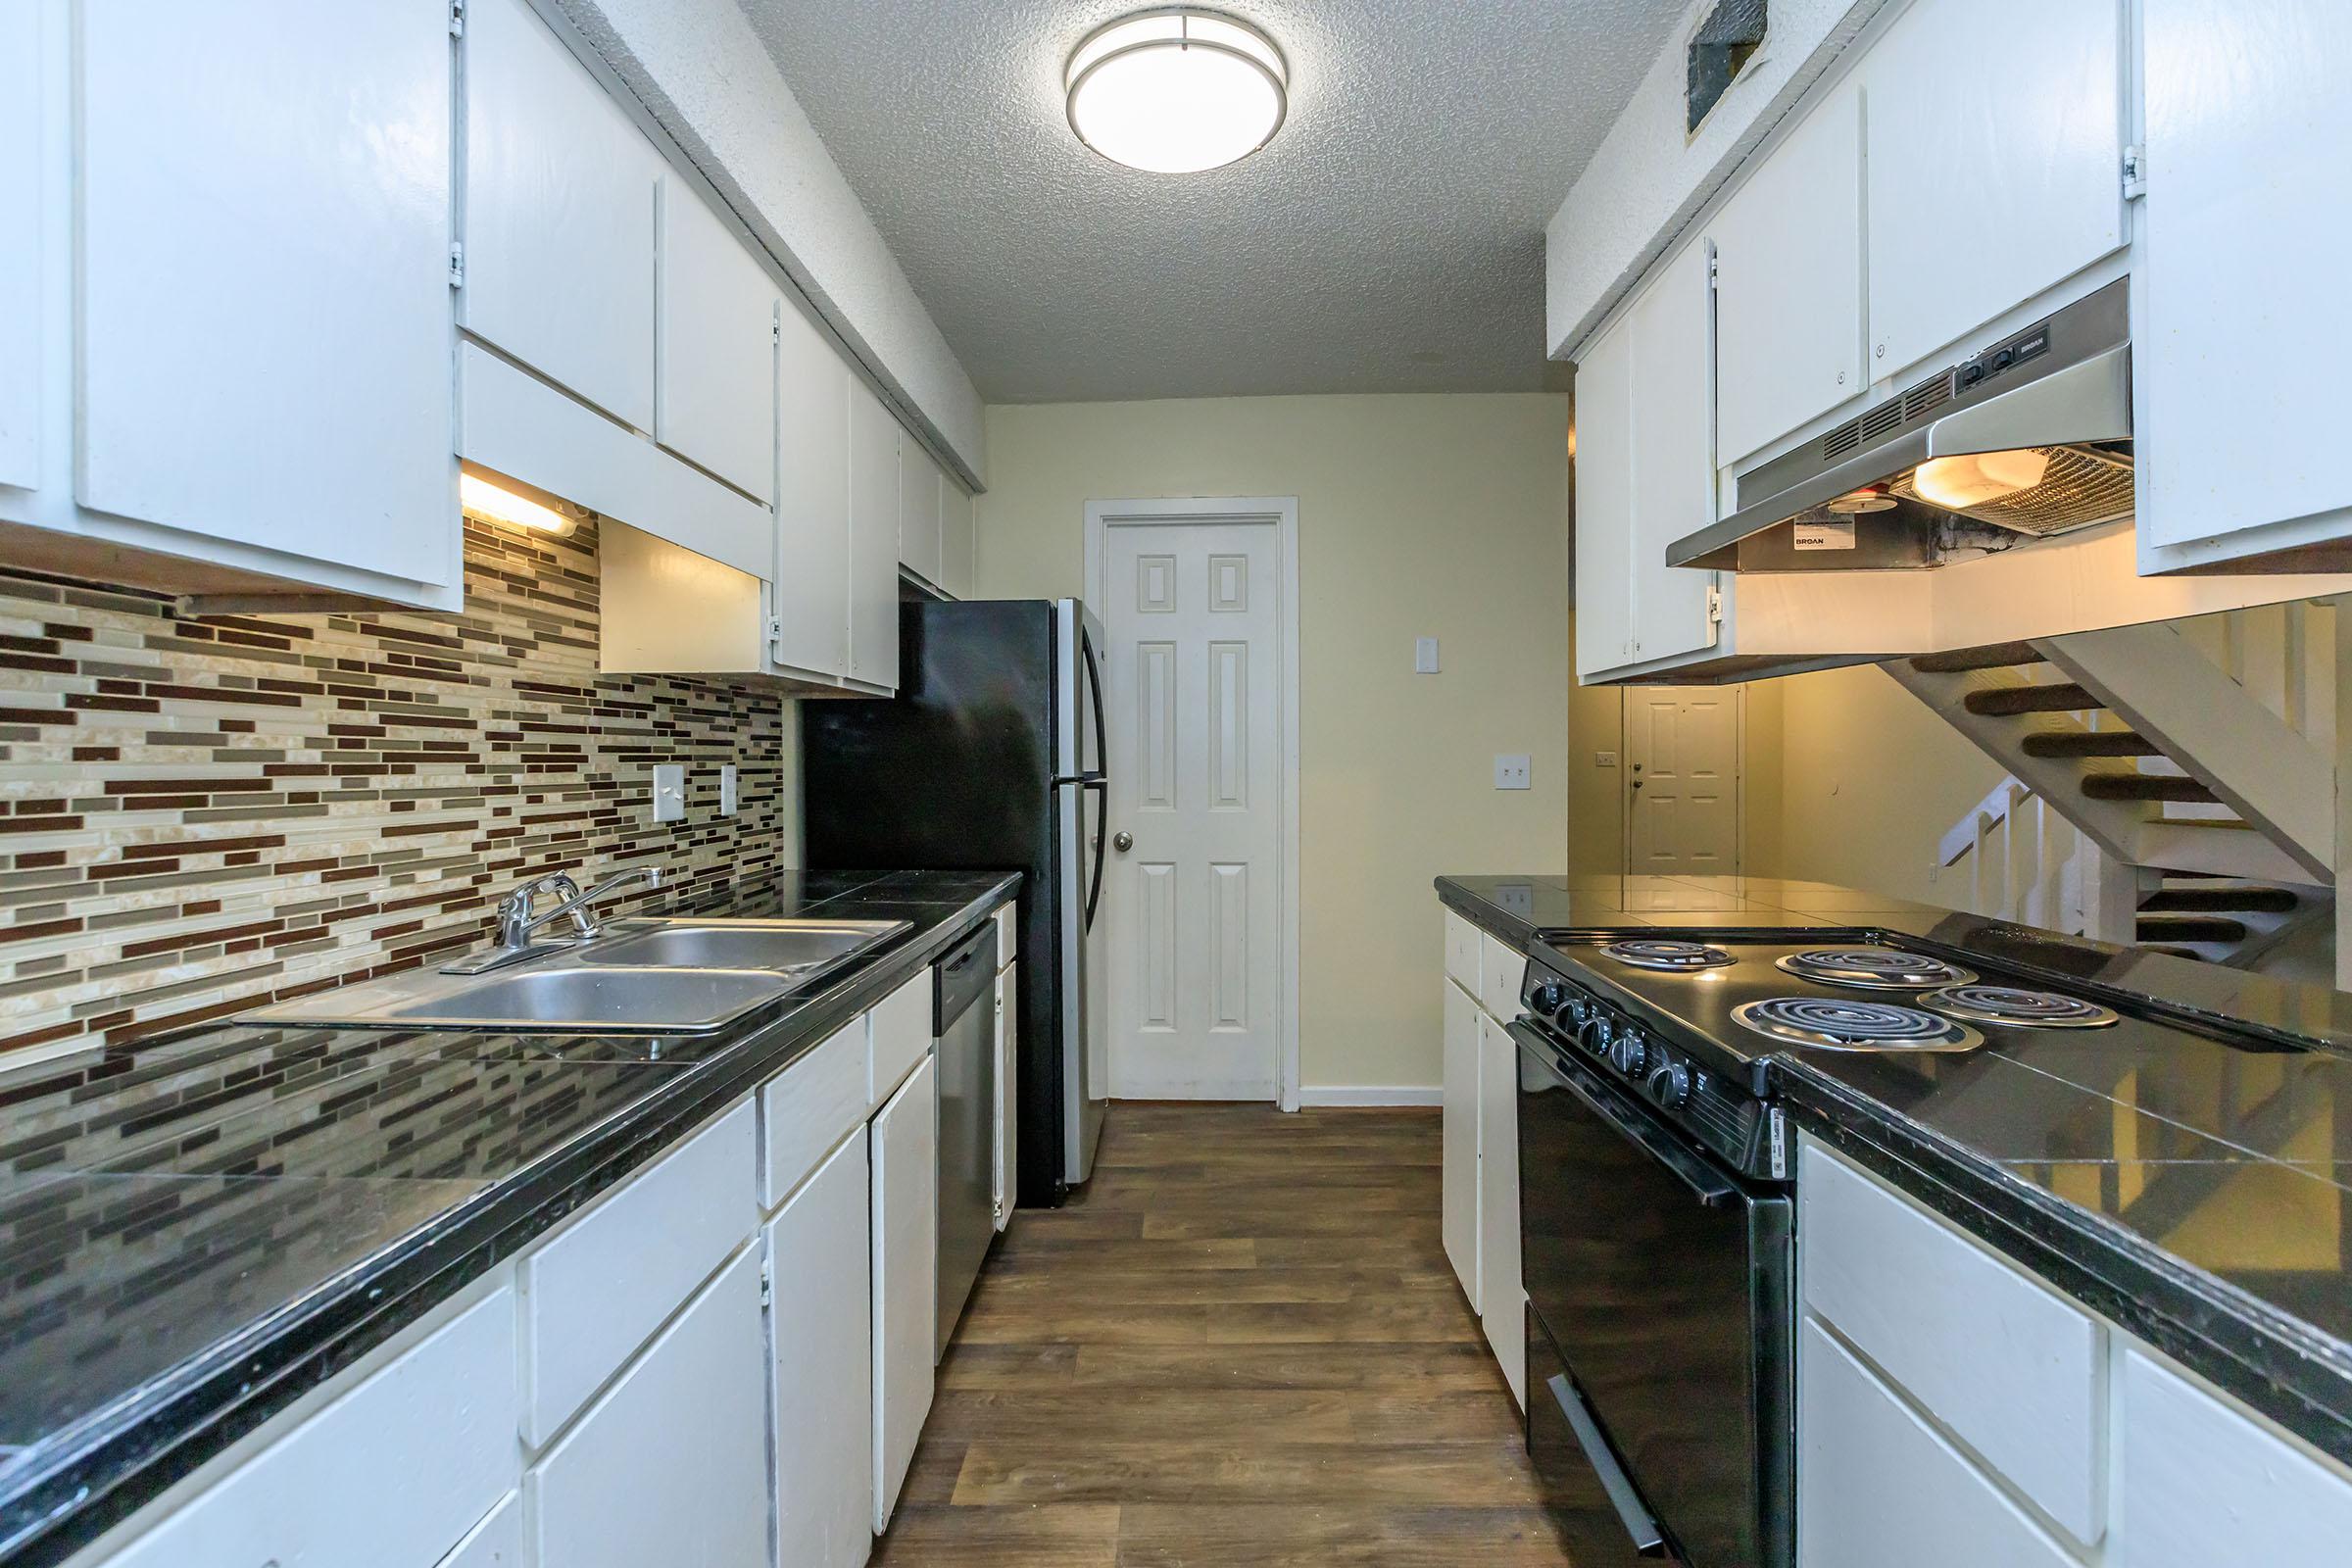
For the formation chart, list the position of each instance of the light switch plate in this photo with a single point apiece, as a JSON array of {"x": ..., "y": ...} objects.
[
  {"x": 1425, "y": 655},
  {"x": 669, "y": 792},
  {"x": 1604, "y": 758},
  {"x": 726, "y": 788},
  {"x": 1511, "y": 772}
]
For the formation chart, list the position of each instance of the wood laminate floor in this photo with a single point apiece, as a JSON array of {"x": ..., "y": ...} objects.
[{"x": 1243, "y": 1344}]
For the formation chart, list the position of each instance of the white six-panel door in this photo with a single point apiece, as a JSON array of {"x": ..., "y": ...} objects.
[
  {"x": 1682, "y": 757},
  {"x": 1191, "y": 615}
]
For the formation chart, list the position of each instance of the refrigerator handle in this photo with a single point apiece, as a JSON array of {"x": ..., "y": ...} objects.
[
  {"x": 1094, "y": 679},
  {"x": 1102, "y": 821}
]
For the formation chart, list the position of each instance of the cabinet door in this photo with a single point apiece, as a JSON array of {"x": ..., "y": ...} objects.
[
  {"x": 2000, "y": 119},
  {"x": 906, "y": 1259},
  {"x": 919, "y": 484},
  {"x": 820, "y": 1334},
  {"x": 1605, "y": 503},
  {"x": 812, "y": 500},
  {"x": 2205, "y": 1484},
  {"x": 670, "y": 1466},
  {"x": 1789, "y": 283},
  {"x": 716, "y": 376},
  {"x": 1502, "y": 1302},
  {"x": 1009, "y": 1098},
  {"x": 560, "y": 204},
  {"x": 23, "y": 152},
  {"x": 1673, "y": 455},
  {"x": 2238, "y": 353},
  {"x": 262, "y": 288},
  {"x": 958, "y": 546},
  {"x": 1459, "y": 1200},
  {"x": 874, "y": 539}
]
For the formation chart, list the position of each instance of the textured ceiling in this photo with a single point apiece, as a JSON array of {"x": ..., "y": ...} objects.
[{"x": 1391, "y": 238}]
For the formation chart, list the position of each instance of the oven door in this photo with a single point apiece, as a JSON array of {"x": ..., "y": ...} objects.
[{"x": 1665, "y": 1283}]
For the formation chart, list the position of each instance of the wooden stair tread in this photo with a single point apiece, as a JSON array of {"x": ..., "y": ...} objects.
[
  {"x": 2172, "y": 951},
  {"x": 2146, "y": 787},
  {"x": 2089, "y": 743},
  {"x": 1992, "y": 656},
  {"x": 2190, "y": 928},
  {"x": 2062, "y": 696},
  {"x": 2223, "y": 899}
]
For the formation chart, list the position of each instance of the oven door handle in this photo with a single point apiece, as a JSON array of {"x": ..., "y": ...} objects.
[
  {"x": 1648, "y": 1539},
  {"x": 1706, "y": 1182}
]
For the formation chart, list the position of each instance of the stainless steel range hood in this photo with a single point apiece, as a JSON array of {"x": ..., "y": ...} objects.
[{"x": 2029, "y": 438}]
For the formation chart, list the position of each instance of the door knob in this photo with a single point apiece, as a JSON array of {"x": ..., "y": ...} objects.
[{"x": 1122, "y": 841}]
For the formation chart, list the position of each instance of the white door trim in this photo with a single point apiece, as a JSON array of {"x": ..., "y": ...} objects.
[{"x": 1283, "y": 513}]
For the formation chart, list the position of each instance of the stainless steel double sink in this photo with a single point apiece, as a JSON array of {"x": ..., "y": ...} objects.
[{"x": 641, "y": 976}]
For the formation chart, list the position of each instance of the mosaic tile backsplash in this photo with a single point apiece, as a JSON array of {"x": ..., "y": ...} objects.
[{"x": 198, "y": 815}]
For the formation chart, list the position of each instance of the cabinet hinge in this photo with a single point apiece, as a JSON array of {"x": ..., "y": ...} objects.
[
  {"x": 767, "y": 1280},
  {"x": 2135, "y": 171},
  {"x": 457, "y": 264},
  {"x": 1714, "y": 269},
  {"x": 457, "y": 18},
  {"x": 1714, "y": 606}
]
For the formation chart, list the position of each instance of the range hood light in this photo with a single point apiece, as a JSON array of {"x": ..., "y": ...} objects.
[
  {"x": 497, "y": 504},
  {"x": 1959, "y": 484},
  {"x": 1854, "y": 503}
]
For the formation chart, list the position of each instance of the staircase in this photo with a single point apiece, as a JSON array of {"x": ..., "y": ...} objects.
[{"x": 2170, "y": 785}]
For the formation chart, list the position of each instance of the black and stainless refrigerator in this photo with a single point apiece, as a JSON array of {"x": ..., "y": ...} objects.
[{"x": 991, "y": 757}]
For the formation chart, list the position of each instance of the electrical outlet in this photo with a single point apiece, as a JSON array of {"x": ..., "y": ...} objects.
[
  {"x": 1425, "y": 655},
  {"x": 1511, "y": 772},
  {"x": 1604, "y": 758},
  {"x": 726, "y": 788},
  {"x": 669, "y": 792}
]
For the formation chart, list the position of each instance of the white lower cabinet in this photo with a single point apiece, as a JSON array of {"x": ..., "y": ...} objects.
[
  {"x": 820, "y": 1332},
  {"x": 391, "y": 1474},
  {"x": 1501, "y": 1299},
  {"x": 906, "y": 1254},
  {"x": 495, "y": 1543},
  {"x": 1459, "y": 1173},
  {"x": 669, "y": 1466}
]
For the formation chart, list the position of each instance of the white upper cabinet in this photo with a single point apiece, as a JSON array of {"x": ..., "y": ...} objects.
[
  {"x": 919, "y": 485},
  {"x": 812, "y": 500},
  {"x": 715, "y": 383},
  {"x": 874, "y": 439},
  {"x": 1674, "y": 463},
  {"x": 959, "y": 546},
  {"x": 1605, "y": 502},
  {"x": 21, "y": 145},
  {"x": 2238, "y": 342},
  {"x": 1995, "y": 157},
  {"x": 560, "y": 191},
  {"x": 1789, "y": 282},
  {"x": 262, "y": 276}
]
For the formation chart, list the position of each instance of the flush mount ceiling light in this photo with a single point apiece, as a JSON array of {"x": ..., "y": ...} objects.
[{"x": 1176, "y": 91}]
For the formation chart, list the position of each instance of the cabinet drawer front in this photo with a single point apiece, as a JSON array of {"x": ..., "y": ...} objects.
[
  {"x": 1501, "y": 969},
  {"x": 670, "y": 1466},
  {"x": 1461, "y": 952},
  {"x": 811, "y": 1107},
  {"x": 2014, "y": 1369},
  {"x": 2204, "y": 1484},
  {"x": 901, "y": 1034},
  {"x": 1009, "y": 933},
  {"x": 1876, "y": 1485},
  {"x": 596, "y": 1292},
  {"x": 390, "y": 1475},
  {"x": 495, "y": 1543}
]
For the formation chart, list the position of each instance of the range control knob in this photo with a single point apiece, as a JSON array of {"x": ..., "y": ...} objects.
[
  {"x": 1593, "y": 1033},
  {"x": 1670, "y": 1084},
  {"x": 1545, "y": 1000},
  {"x": 1628, "y": 1050}
]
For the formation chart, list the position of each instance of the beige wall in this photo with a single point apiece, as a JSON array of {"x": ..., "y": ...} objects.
[{"x": 1418, "y": 516}]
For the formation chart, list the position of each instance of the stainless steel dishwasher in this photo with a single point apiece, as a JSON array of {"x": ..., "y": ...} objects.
[{"x": 962, "y": 980}]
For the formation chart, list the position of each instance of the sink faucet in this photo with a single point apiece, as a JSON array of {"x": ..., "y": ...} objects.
[{"x": 519, "y": 916}]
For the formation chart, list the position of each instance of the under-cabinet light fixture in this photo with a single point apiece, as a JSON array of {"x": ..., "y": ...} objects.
[{"x": 494, "y": 503}]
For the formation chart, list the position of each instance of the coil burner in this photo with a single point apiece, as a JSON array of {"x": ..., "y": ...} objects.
[
  {"x": 2017, "y": 1007},
  {"x": 1666, "y": 954},
  {"x": 1875, "y": 968},
  {"x": 1838, "y": 1023}
]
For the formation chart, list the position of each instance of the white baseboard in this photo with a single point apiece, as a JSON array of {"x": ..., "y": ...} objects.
[{"x": 1371, "y": 1095}]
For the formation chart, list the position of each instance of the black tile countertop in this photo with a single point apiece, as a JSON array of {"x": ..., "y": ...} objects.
[
  {"x": 2186, "y": 1174},
  {"x": 197, "y": 1228}
]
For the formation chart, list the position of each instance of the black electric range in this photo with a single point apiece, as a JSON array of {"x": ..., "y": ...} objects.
[{"x": 1656, "y": 1212}]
